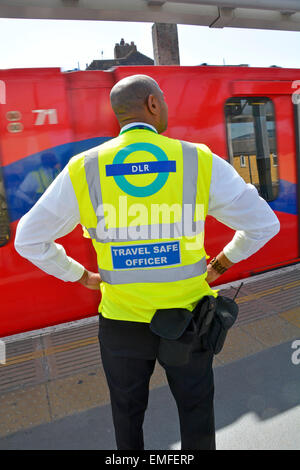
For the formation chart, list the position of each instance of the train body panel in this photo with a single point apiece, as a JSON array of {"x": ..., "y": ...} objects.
[{"x": 246, "y": 115}]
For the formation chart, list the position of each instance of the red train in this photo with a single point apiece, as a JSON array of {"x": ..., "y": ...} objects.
[{"x": 249, "y": 116}]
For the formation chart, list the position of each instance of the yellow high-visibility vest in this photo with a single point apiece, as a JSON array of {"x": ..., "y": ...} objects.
[
  {"x": 44, "y": 180},
  {"x": 143, "y": 199}
]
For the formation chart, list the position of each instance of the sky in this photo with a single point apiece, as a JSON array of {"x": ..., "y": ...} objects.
[{"x": 68, "y": 44}]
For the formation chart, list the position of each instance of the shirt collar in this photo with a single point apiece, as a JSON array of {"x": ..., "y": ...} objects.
[{"x": 135, "y": 124}]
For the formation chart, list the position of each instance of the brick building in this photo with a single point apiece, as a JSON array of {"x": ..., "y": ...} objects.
[{"x": 124, "y": 54}]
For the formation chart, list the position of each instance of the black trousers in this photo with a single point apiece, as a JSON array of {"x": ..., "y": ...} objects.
[{"x": 129, "y": 352}]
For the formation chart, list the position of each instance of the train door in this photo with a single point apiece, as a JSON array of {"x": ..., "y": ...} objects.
[{"x": 261, "y": 142}]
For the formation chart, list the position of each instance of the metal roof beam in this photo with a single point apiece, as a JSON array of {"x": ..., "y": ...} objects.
[
  {"x": 224, "y": 19},
  {"x": 278, "y": 5},
  {"x": 260, "y": 14},
  {"x": 158, "y": 3}
]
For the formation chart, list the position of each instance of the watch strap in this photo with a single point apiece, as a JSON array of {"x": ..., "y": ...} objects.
[{"x": 217, "y": 266}]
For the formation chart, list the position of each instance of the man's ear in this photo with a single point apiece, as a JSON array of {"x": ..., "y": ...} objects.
[{"x": 153, "y": 104}]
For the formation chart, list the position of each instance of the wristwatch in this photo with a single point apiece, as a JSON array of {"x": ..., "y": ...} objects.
[{"x": 217, "y": 266}]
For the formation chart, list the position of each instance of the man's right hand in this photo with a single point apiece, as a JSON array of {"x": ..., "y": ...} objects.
[{"x": 90, "y": 280}]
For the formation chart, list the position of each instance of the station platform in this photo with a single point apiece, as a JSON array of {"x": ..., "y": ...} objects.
[{"x": 53, "y": 393}]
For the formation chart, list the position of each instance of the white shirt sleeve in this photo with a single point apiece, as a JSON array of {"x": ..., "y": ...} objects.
[
  {"x": 239, "y": 206},
  {"x": 54, "y": 215}
]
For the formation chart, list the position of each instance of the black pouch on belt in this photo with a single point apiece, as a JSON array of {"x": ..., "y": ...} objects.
[
  {"x": 178, "y": 328},
  {"x": 224, "y": 317}
]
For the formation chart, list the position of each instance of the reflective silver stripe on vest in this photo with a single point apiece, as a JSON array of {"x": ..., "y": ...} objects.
[
  {"x": 91, "y": 166},
  {"x": 132, "y": 276},
  {"x": 151, "y": 232},
  {"x": 154, "y": 231}
]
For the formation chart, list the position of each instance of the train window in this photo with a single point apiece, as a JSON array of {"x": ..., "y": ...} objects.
[
  {"x": 251, "y": 141},
  {"x": 4, "y": 219}
]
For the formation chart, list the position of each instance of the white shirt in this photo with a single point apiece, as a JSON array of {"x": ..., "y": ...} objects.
[{"x": 231, "y": 201}]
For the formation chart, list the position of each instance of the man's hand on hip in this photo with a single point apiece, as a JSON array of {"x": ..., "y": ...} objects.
[
  {"x": 90, "y": 280},
  {"x": 212, "y": 275},
  {"x": 223, "y": 263}
]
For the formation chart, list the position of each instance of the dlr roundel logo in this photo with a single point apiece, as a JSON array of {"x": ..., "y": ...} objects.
[{"x": 162, "y": 166}]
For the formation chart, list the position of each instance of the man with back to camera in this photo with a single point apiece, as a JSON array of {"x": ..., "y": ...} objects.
[{"x": 147, "y": 263}]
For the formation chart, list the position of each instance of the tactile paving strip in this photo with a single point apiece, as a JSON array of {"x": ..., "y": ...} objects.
[
  {"x": 248, "y": 311},
  {"x": 24, "y": 365},
  {"x": 72, "y": 350},
  {"x": 277, "y": 280},
  {"x": 266, "y": 297}
]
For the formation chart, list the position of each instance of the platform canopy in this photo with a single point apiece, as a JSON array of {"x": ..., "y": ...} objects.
[{"x": 261, "y": 14}]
